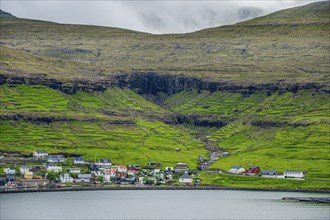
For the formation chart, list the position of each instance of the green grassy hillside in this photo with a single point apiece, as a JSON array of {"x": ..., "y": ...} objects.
[
  {"x": 274, "y": 131},
  {"x": 79, "y": 124},
  {"x": 76, "y": 89},
  {"x": 245, "y": 53}
]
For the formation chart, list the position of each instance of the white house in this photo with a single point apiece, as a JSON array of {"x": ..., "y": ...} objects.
[
  {"x": 186, "y": 179},
  {"x": 78, "y": 161},
  {"x": 24, "y": 169},
  {"x": 294, "y": 174},
  {"x": 54, "y": 167},
  {"x": 55, "y": 159},
  {"x": 236, "y": 170},
  {"x": 66, "y": 178},
  {"x": 9, "y": 170},
  {"x": 104, "y": 162},
  {"x": 40, "y": 154},
  {"x": 84, "y": 178},
  {"x": 73, "y": 170}
]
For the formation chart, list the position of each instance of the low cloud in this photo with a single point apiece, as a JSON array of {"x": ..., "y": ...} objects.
[{"x": 157, "y": 17}]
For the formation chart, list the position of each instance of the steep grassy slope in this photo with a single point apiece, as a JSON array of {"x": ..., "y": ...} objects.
[
  {"x": 246, "y": 53},
  {"x": 38, "y": 117},
  {"x": 274, "y": 131}
]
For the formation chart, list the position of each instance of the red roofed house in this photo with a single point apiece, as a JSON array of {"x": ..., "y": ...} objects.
[{"x": 253, "y": 170}]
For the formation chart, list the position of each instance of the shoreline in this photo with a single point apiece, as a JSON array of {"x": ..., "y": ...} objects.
[{"x": 164, "y": 188}]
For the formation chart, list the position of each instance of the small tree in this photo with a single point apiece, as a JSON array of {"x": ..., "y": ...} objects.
[
  {"x": 53, "y": 175},
  {"x": 41, "y": 173},
  {"x": 99, "y": 178},
  {"x": 74, "y": 175}
]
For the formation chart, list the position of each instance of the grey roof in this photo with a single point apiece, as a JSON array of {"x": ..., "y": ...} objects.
[
  {"x": 269, "y": 172},
  {"x": 41, "y": 151},
  {"x": 79, "y": 159},
  {"x": 235, "y": 167},
  {"x": 294, "y": 171},
  {"x": 186, "y": 176},
  {"x": 56, "y": 156},
  {"x": 105, "y": 160},
  {"x": 75, "y": 168},
  {"x": 26, "y": 167},
  {"x": 10, "y": 177},
  {"x": 88, "y": 175}
]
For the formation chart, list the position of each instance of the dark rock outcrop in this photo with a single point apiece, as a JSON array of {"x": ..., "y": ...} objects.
[{"x": 152, "y": 83}]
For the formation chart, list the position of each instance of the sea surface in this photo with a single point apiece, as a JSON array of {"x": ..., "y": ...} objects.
[{"x": 160, "y": 204}]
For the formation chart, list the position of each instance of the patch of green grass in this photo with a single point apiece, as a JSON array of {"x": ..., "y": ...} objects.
[{"x": 146, "y": 141}]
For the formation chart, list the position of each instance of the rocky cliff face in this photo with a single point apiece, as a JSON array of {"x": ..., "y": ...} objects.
[{"x": 152, "y": 83}]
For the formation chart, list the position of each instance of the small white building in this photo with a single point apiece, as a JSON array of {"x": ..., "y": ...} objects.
[
  {"x": 24, "y": 169},
  {"x": 66, "y": 178},
  {"x": 40, "y": 154},
  {"x": 9, "y": 170},
  {"x": 186, "y": 179},
  {"x": 236, "y": 170},
  {"x": 54, "y": 167},
  {"x": 294, "y": 174}
]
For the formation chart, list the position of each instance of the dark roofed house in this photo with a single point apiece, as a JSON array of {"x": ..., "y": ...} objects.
[
  {"x": 269, "y": 173},
  {"x": 94, "y": 167},
  {"x": 78, "y": 161},
  {"x": 105, "y": 162}
]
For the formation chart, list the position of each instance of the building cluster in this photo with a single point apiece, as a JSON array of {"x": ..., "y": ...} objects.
[
  {"x": 255, "y": 170},
  {"x": 86, "y": 172}
]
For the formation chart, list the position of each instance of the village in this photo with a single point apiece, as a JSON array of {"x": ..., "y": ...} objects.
[{"x": 56, "y": 171}]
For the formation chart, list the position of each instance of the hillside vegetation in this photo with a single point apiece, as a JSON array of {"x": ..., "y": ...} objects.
[
  {"x": 247, "y": 53},
  {"x": 258, "y": 89}
]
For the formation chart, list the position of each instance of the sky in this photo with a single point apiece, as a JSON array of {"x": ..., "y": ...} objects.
[{"x": 152, "y": 16}]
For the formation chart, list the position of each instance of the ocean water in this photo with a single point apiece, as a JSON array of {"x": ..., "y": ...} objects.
[{"x": 160, "y": 204}]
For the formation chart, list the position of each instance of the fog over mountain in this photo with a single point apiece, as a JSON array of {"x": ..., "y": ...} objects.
[{"x": 148, "y": 16}]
